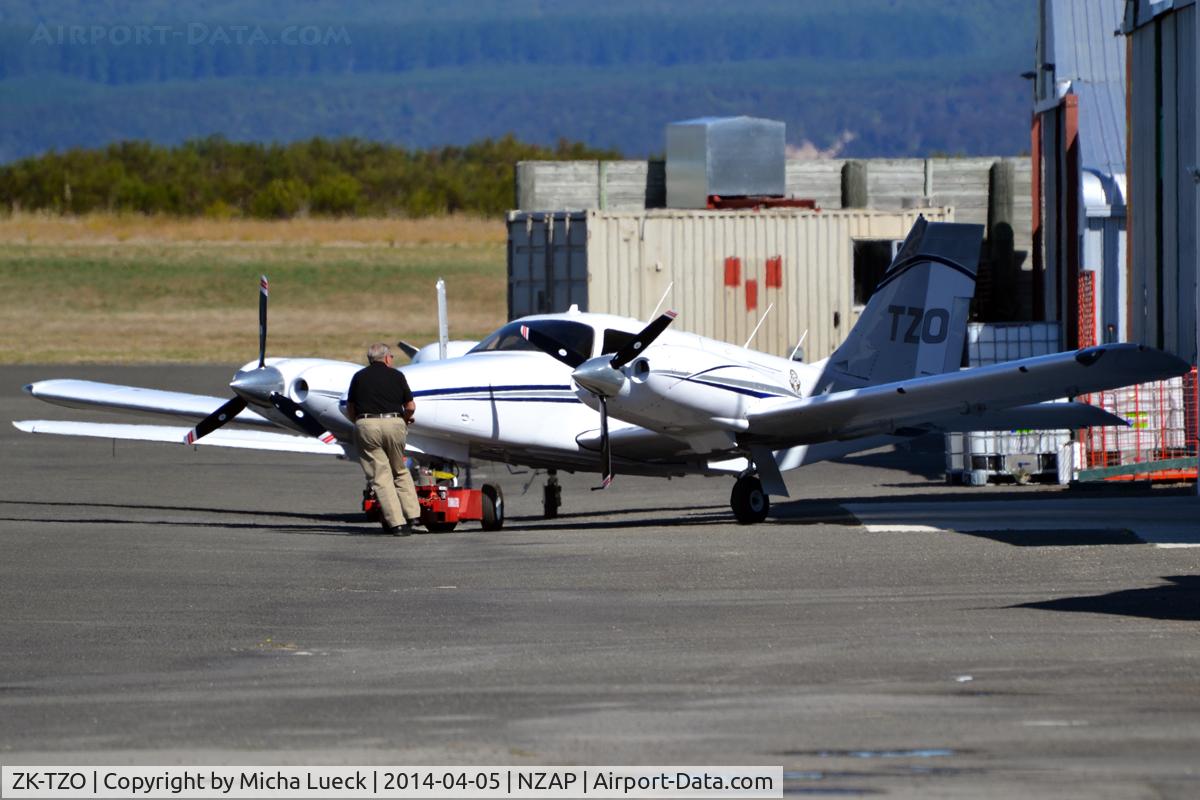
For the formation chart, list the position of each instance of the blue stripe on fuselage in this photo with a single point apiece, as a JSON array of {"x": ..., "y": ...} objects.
[
  {"x": 491, "y": 393},
  {"x": 738, "y": 389}
]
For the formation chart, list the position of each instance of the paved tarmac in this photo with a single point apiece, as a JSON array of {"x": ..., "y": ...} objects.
[{"x": 881, "y": 635}]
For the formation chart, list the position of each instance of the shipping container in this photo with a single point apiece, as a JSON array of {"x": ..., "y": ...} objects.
[{"x": 726, "y": 268}]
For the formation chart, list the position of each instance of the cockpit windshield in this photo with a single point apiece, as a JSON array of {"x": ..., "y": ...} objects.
[{"x": 574, "y": 336}]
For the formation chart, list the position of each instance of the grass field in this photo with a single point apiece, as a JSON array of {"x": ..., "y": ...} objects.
[{"x": 127, "y": 289}]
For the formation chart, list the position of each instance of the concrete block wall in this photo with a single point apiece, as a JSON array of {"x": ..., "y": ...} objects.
[{"x": 990, "y": 191}]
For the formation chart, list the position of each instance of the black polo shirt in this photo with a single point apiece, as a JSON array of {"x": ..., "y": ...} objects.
[{"x": 379, "y": 389}]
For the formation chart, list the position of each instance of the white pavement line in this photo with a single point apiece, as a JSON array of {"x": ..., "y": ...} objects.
[
  {"x": 894, "y": 528},
  {"x": 1167, "y": 523}
]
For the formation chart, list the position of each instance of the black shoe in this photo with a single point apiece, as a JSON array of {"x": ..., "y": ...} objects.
[{"x": 401, "y": 530}]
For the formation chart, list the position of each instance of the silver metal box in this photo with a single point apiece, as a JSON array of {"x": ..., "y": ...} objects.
[{"x": 727, "y": 156}]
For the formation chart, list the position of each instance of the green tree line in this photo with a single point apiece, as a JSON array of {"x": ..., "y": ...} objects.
[{"x": 328, "y": 177}]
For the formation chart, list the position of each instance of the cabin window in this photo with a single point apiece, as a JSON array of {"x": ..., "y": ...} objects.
[{"x": 574, "y": 336}]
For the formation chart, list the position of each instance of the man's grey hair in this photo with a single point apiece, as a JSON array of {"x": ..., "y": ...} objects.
[{"x": 378, "y": 352}]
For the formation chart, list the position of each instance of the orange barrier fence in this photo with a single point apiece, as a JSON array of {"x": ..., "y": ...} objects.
[{"x": 1160, "y": 442}]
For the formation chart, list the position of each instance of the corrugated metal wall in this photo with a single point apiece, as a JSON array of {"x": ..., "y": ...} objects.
[
  {"x": 718, "y": 262},
  {"x": 1055, "y": 228},
  {"x": 1162, "y": 191},
  {"x": 547, "y": 262}
]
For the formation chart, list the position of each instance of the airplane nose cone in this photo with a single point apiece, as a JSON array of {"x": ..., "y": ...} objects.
[
  {"x": 598, "y": 377},
  {"x": 256, "y": 385}
]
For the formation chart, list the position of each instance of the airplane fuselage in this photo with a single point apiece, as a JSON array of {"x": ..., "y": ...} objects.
[{"x": 512, "y": 403}]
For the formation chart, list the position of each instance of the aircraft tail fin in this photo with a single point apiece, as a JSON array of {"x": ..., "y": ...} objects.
[{"x": 916, "y": 321}]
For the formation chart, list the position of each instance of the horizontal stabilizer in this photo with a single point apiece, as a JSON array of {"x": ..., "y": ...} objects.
[
  {"x": 966, "y": 395},
  {"x": 225, "y": 437},
  {"x": 114, "y": 397}
]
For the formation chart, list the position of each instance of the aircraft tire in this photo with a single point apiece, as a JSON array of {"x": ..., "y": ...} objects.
[
  {"x": 493, "y": 507},
  {"x": 749, "y": 502}
]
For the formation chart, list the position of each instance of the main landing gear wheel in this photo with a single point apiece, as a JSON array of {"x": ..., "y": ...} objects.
[
  {"x": 493, "y": 507},
  {"x": 749, "y": 502}
]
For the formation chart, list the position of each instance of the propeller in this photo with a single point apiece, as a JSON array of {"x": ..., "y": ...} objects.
[
  {"x": 263, "y": 287},
  {"x": 409, "y": 349},
  {"x": 302, "y": 418},
  {"x": 601, "y": 376},
  {"x": 215, "y": 420},
  {"x": 551, "y": 347},
  {"x": 258, "y": 384}
]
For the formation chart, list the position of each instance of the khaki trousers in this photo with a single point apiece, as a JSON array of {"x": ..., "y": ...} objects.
[{"x": 381, "y": 453}]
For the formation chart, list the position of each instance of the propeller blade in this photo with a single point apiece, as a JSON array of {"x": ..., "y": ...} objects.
[
  {"x": 640, "y": 342},
  {"x": 551, "y": 347},
  {"x": 409, "y": 350},
  {"x": 605, "y": 447},
  {"x": 215, "y": 420},
  {"x": 262, "y": 320},
  {"x": 302, "y": 418}
]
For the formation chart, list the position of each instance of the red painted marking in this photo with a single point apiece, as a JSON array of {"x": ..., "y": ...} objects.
[
  {"x": 774, "y": 272},
  {"x": 190, "y": 438},
  {"x": 262, "y": 284},
  {"x": 751, "y": 294},
  {"x": 672, "y": 314},
  {"x": 328, "y": 438},
  {"x": 733, "y": 271},
  {"x": 524, "y": 331}
]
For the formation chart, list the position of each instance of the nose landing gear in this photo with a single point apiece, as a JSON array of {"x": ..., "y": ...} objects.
[{"x": 551, "y": 495}]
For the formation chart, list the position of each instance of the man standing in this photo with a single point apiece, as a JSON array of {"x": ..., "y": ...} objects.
[{"x": 382, "y": 407}]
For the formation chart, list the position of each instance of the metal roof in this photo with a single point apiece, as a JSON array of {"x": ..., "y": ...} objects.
[
  {"x": 1142, "y": 12},
  {"x": 1089, "y": 61}
]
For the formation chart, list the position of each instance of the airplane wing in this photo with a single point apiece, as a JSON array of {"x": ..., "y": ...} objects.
[
  {"x": 92, "y": 394},
  {"x": 958, "y": 398},
  {"x": 225, "y": 437},
  {"x": 1033, "y": 417}
]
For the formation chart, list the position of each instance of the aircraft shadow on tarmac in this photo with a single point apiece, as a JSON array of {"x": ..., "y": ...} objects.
[
  {"x": 831, "y": 511},
  {"x": 343, "y": 517},
  {"x": 968, "y": 494},
  {"x": 326, "y": 524},
  {"x": 353, "y": 523},
  {"x": 1179, "y": 599},
  {"x": 1053, "y": 537},
  {"x": 679, "y": 516},
  {"x": 917, "y": 459}
]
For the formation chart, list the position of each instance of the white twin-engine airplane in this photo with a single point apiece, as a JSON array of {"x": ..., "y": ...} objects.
[{"x": 669, "y": 402}]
